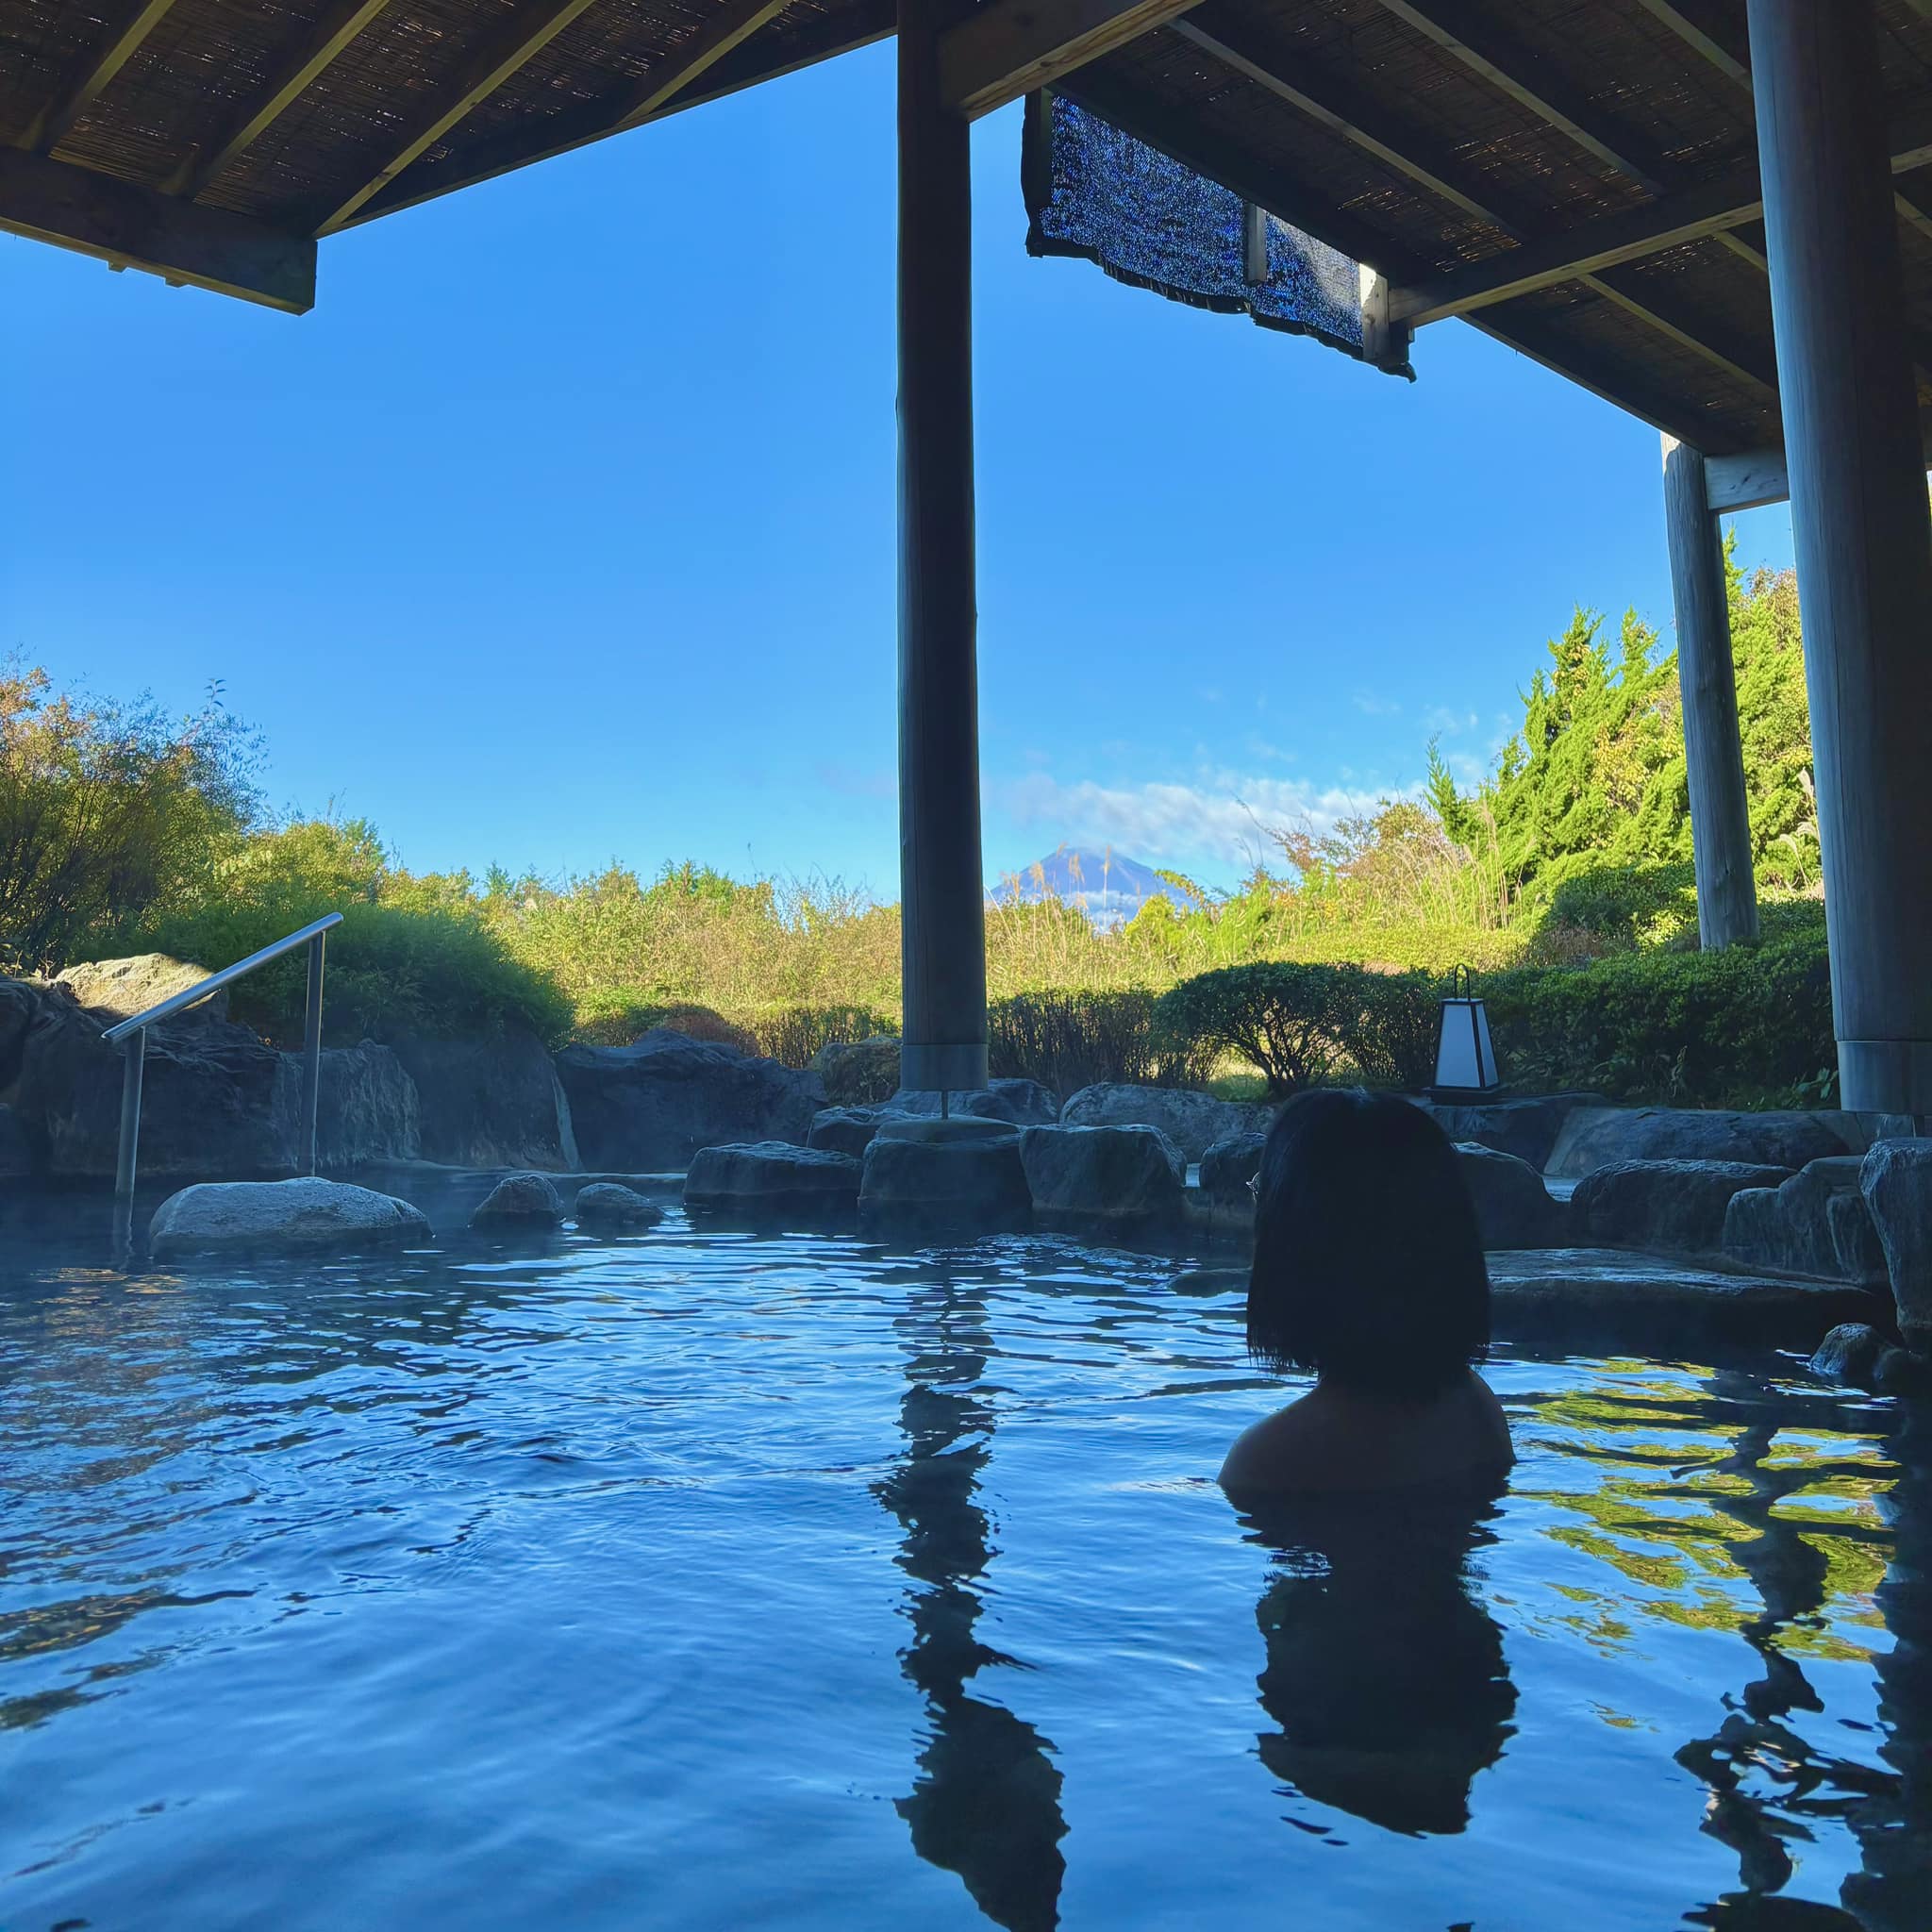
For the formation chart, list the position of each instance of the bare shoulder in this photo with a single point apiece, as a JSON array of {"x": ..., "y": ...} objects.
[{"x": 1291, "y": 1439}]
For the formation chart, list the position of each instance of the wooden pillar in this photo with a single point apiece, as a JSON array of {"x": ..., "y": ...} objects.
[
  {"x": 1862, "y": 534},
  {"x": 940, "y": 880},
  {"x": 1706, "y": 679}
]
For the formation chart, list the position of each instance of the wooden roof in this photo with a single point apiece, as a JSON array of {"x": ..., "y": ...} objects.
[{"x": 1578, "y": 178}]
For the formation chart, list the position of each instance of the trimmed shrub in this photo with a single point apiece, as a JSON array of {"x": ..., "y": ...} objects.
[
  {"x": 1067, "y": 1041},
  {"x": 1726, "y": 1028},
  {"x": 1286, "y": 1019},
  {"x": 795, "y": 1035},
  {"x": 1396, "y": 1027}
]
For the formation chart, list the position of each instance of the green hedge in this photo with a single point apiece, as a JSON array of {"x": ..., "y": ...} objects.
[
  {"x": 1067, "y": 1041},
  {"x": 1744, "y": 1027}
]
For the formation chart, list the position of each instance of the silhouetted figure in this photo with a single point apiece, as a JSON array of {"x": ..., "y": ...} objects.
[
  {"x": 1385, "y": 1675},
  {"x": 1369, "y": 1271},
  {"x": 986, "y": 1804}
]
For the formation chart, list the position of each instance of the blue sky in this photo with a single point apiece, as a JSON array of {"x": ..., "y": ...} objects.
[{"x": 561, "y": 530}]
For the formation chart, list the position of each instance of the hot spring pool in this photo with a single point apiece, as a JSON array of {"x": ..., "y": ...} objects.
[{"x": 730, "y": 1581}]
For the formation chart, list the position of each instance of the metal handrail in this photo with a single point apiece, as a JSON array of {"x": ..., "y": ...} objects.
[{"x": 131, "y": 1036}]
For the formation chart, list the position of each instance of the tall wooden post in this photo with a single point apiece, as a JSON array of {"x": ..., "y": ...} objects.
[
  {"x": 1862, "y": 534},
  {"x": 940, "y": 880},
  {"x": 1706, "y": 679}
]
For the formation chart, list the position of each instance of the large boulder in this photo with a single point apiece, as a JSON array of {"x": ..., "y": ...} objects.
[
  {"x": 120, "y": 989},
  {"x": 16, "y": 1149},
  {"x": 291, "y": 1217},
  {"x": 651, "y": 1106},
  {"x": 1107, "y": 1173},
  {"x": 520, "y": 1201},
  {"x": 1664, "y": 1206},
  {"x": 846, "y": 1129},
  {"x": 1815, "y": 1223},
  {"x": 1513, "y": 1209},
  {"x": 1896, "y": 1181},
  {"x": 216, "y": 1099},
  {"x": 770, "y": 1177},
  {"x": 1019, "y": 1103},
  {"x": 859, "y": 1073},
  {"x": 979, "y": 1180},
  {"x": 1192, "y": 1121},
  {"x": 1229, "y": 1165},
  {"x": 611, "y": 1205},
  {"x": 1526, "y": 1128},
  {"x": 494, "y": 1102},
  {"x": 1594, "y": 1137}
]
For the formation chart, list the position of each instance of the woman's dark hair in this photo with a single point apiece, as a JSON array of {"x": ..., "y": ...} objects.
[{"x": 1368, "y": 1265}]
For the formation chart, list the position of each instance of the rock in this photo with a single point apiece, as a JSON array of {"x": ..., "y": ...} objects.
[
  {"x": 1900, "y": 1372},
  {"x": 1666, "y": 1206},
  {"x": 1593, "y": 1137},
  {"x": 215, "y": 1098},
  {"x": 1513, "y": 1209},
  {"x": 845, "y": 1129},
  {"x": 16, "y": 1149},
  {"x": 981, "y": 1179},
  {"x": 1229, "y": 1165},
  {"x": 1896, "y": 1181},
  {"x": 1019, "y": 1103},
  {"x": 367, "y": 1110},
  {"x": 1797, "y": 1228},
  {"x": 120, "y": 989},
  {"x": 1111, "y": 1174},
  {"x": 1641, "y": 1302},
  {"x": 653, "y": 1104},
  {"x": 520, "y": 1200},
  {"x": 1192, "y": 1121},
  {"x": 606, "y": 1204},
  {"x": 1848, "y": 1353},
  {"x": 1204, "y": 1282},
  {"x": 1526, "y": 1128},
  {"x": 769, "y": 1177},
  {"x": 859, "y": 1073},
  {"x": 292, "y": 1217},
  {"x": 491, "y": 1102}
]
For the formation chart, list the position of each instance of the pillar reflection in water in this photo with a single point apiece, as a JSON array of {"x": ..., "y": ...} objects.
[
  {"x": 987, "y": 1801},
  {"x": 1385, "y": 1675}
]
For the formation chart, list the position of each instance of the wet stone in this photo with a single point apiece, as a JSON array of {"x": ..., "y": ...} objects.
[{"x": 520, "y": 1200}]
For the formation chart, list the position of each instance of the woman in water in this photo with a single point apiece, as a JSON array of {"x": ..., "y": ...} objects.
[{"x": 1368, "y": 1271}]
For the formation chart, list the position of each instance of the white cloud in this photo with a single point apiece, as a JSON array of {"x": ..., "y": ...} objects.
[
  {"x": 1441, "y": 722},
  {"x": 1373, "y": 703},
  {"x": 1167, "y": 822}
]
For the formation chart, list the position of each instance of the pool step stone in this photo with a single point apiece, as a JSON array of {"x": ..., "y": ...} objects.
[
  {"x": 307, "y": 1216},
  {"x": 1102, "y": 1173},
  {"x": 958, "y": 1172},
  {"x": 769, "y": 1177}
]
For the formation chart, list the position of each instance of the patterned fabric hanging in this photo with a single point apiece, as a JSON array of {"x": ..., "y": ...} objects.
[{"x": 1103, "y": 196}]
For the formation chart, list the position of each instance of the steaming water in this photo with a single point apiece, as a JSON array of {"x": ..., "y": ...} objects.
[{"x": 732, "y": 1581}]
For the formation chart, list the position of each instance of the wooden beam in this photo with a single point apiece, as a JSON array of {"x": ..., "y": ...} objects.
[
  {"x": 1503, "y": 64},
  {"x": 52, "y": 125},
  {"x": 333, "y": 29},
  {"x": 1730, "y": 200},
  {"x": 1332, "y": 103},
  {"x": 1006, "y": 49},
  {"x": 1699, "y": 41},
  {"x": 675, "y": 83},
  {"x": 1745, "y": 481},
  {"x": 504, "y": 54},
  {"x": 131, "y": 226}
]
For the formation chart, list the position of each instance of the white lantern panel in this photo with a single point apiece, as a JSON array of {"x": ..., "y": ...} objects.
[{"x": 1464, "y": 1057}]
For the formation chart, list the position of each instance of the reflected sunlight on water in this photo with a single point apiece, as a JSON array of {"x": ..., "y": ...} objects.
[{"x": 723, "y": 1581}]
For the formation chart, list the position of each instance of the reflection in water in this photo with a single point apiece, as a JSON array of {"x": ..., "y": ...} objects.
[
  {"x": 1384, "y": 1674},
  {"x": 987, "y": 1803}
]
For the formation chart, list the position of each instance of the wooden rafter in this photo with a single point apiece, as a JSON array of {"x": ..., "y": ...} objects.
[
  {"x": 1009, "y": 48},
  {"x": 1731, "y": 200},
  {"x": 131, "y": 226},
  {"x": 674, "y": 83},
  {"x": 52, "y": 127},
  {"x": 333, "y": 30},
  {"x": 504, "y": 55},
  {"x": 1707, "y": 44},
  {"x": 1465, "y": 39},
  {"x": 1334, "y": 103}
]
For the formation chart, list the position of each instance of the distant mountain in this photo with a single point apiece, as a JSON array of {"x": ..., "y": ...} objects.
[{"x": 1106, "y": 886}]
